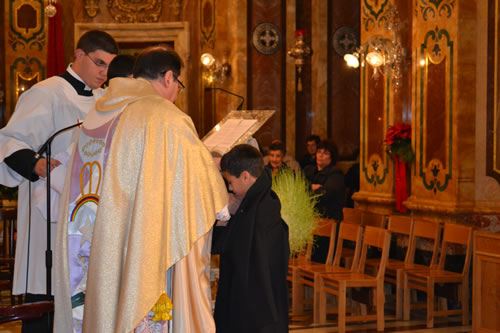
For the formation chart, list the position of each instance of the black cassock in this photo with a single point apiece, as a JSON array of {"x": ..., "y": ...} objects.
[{"x": 253, "y": 291}]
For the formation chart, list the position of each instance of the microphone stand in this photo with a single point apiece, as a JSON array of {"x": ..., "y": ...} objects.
[
  {"x": 230, "y": 93},
  {"x": 48, "y": 253}
]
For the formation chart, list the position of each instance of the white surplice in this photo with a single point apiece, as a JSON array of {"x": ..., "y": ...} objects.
[{"x": 47, "y": 107}]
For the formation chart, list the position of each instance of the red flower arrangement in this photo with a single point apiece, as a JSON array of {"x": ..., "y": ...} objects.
[{"x": 398, "y": 142}]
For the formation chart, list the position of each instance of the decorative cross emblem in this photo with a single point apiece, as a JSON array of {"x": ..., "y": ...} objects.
[{"x": 268, "y": 38}]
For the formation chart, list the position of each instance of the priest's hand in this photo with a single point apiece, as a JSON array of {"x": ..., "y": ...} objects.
[
  {"x": 41, "y": 166},
  {"x": 314, "y": 187}
]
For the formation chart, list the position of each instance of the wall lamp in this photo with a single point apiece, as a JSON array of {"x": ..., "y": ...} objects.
[
  {"x": 213, "y": 70},
  {"x": 383, "y": 54}
]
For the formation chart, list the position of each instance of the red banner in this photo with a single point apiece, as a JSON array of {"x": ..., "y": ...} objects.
[
  {"x": 55, "y": 48},
  {"x": 400, "y": 185}
]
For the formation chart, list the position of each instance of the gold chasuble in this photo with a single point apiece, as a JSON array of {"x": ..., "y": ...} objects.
[{"x": 160, "y": 194}]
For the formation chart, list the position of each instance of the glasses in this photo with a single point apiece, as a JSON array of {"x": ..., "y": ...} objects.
[
  {"x": 99, "y": 63},
  {"x": 181, "y": 86}
]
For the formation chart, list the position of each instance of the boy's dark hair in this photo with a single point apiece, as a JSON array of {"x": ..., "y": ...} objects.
[
  {"x": 314, "y": 138},
  {"x": 278, "y": 145},
  {"x": 121, "y": 66},
  {"x": 242, "y": 158},
  {"x": 94, "y": 40},
  {"x": 330, "y": 147},
  {"x": 155, "y": 61}
]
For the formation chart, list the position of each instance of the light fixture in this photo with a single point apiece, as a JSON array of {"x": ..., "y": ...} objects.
[
  {"x": 352, "y": 60},
  {"x": 383, "y": 54},
  {"x": 50, "y": 9},
  {"x": 213, "y": 70},
  {"x": 299, "y": 51}
]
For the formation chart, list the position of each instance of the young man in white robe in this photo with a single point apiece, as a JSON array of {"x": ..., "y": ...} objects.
[
  {"x": 142, "y": 194},
  {"x": 45, "y": 108}
]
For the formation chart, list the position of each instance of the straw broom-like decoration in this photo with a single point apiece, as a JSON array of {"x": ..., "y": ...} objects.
[{"x": 297, "y": 208}]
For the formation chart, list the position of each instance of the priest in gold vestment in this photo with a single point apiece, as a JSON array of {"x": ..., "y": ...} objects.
[{"x": 142, "y": 193}]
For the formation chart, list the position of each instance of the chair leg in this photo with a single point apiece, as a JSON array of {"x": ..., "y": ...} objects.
[
  {"x": 406, "y": 298},
  {"x": 342, "y": 306},
  {"x": 316, "y": 299},
  {"x": 430, "y": 304},
  {"x": 465, "y": 301},
  {"x": 379, "y": 291},
  {"x": 297, "y": 294},
  {"x": 322, "y": 303},
  {"x": 399, "y": 294}
]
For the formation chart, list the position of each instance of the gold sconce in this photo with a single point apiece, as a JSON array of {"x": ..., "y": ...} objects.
[
  {"x": 383, "y": 54},
  {"x": 212, "y": 70},
  {"x": 299, "y": 51},
  {"x": 50, "y": 9}
]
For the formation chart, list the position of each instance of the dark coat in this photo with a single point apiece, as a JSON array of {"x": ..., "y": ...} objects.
[
  {"x": 253, "y": 293},
  {"x": 332, "y": 193}
]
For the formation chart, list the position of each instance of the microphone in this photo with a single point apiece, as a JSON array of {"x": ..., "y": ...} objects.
[
  {"x": 48, "y": 253},
  {"x": 44, "y": 147},
  {"x": 230, "y": 93}
]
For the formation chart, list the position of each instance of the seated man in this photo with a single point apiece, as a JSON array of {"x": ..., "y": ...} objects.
[{"x": 310, "y": 157}]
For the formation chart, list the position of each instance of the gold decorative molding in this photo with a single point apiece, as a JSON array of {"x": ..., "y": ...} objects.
[
  {"x": 91, "y": 7},
  {"x": 135, "y": 11}
]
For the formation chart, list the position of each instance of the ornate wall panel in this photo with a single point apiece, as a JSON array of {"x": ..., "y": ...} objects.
[
  {"x": 25, "y": 48},
  {"x": 377, "y": 108},
  {"x": 435, "y": 115}
]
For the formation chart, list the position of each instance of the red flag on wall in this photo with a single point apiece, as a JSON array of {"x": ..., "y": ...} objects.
[{"x": 55, "y": 49}]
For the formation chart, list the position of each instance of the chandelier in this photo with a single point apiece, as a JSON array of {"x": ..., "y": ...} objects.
[{"x": 383, "y": 54}]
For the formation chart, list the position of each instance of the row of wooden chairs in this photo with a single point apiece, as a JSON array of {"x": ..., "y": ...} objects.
[{"x": 405, "y": 274}]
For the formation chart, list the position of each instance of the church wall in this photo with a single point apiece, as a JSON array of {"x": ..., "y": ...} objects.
[{"x": 447, "y": 109}]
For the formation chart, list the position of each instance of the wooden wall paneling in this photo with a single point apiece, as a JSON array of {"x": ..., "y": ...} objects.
[
  {"x": 493, "y": 107},
  {"x": 319, "y": 67},
  {"x": 267, "y": 73},
  {"x": 304, "y": 112},
  {"x": 343, "y": 81},
  {"x": 290, "y": 80}
]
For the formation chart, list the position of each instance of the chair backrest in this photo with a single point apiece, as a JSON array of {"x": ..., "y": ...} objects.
[
  {"x": 455, "y": 234},
  {"x": 402, "y": 225},
  {"x": 28, "y": 311},
  {"x": 379, "y": 238},
  {"x": 351, "y": 232},
  {"x": 351, "y": 215},
  {"x": 428, "y": 230},
  {"x": 325, "y": 228},
  {"x": 373, "y": 220},
  {"x": 8, "y": 217}
]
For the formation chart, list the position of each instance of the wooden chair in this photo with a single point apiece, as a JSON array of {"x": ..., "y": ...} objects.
[
  {"x": 27, "y": 311},
  {"x": 337, "y": 284},
  {"x": 8, "y": 218},
  {"x": 399, "y": 225},
  {"x": 422, "y": 230},
  {"x": 326, "y": 228},
  {"x": 425, "y": 280},
  {"x": 305, "y": 274},
  {"x": 373, "y": 219},
  {"x": 351, "y": 215}
]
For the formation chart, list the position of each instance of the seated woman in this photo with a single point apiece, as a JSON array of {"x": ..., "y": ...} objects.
[
  {"x": 276, "y": 158},
  {"x": 327, "y": 181}
]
